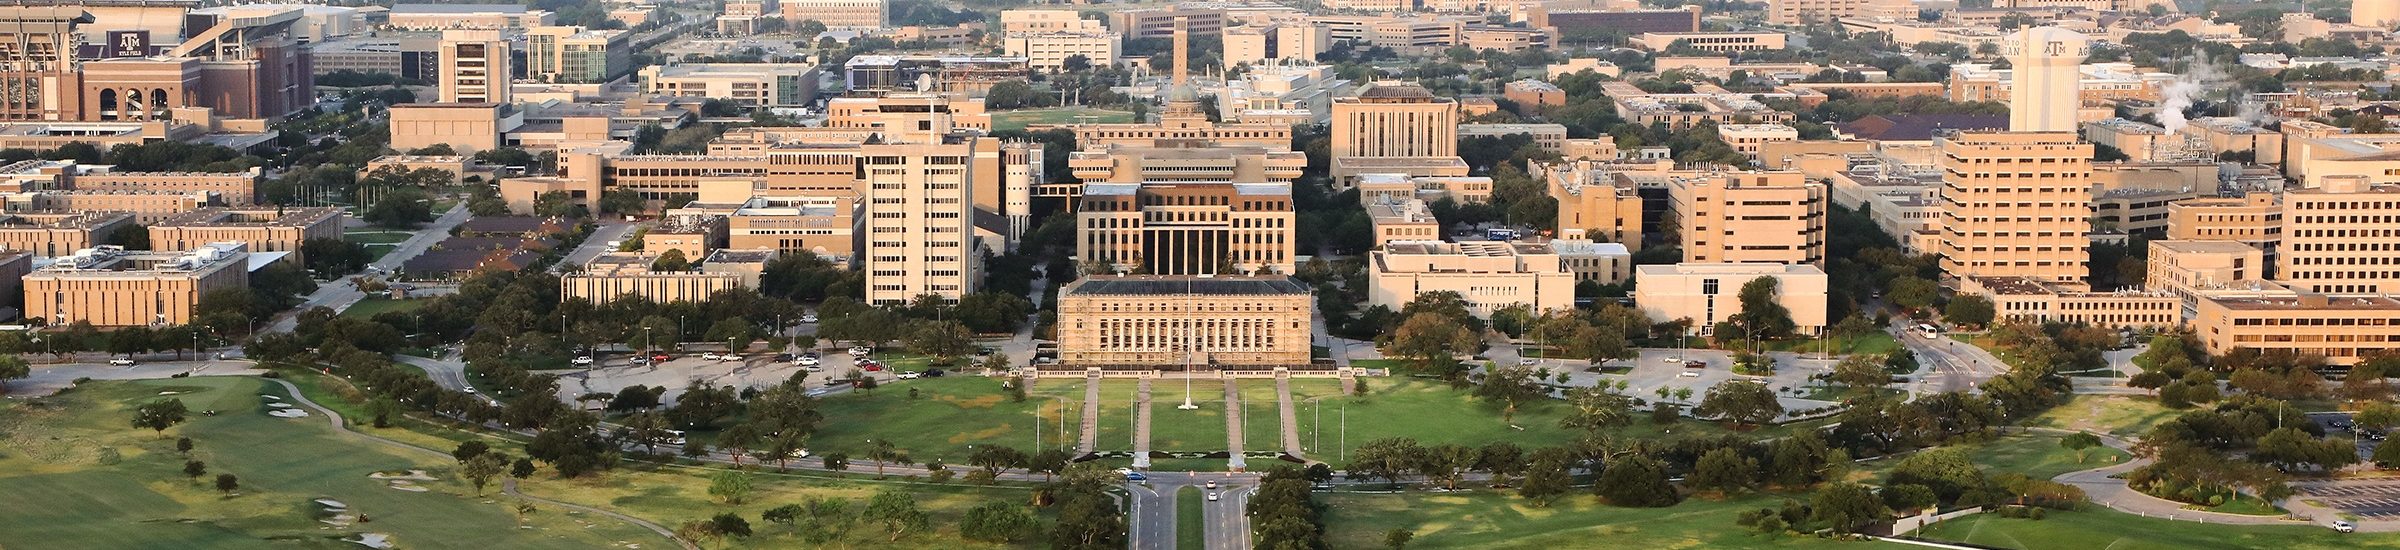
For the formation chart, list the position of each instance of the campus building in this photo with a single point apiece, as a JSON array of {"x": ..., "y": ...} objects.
[
  {"x": 856, "y": 15},
  {"x": 1388, "y": 119},
  {"x": 476, "y": 67},
  {"x": 115, "y": 288},
  {"x": 2037, "y": 301},
  {"x": 1746, "y": 217},
  {"x": 1186, "y": 228},
  {"x": 1488, "y": 275},
  {"x": 575, "y": 55},
  {"x": 1049, "y": 51},
  {"x": 2343, "y": 238},
  {"x": 1165, "y": 321},
  {"x": 60, "y": 233},
  {"x": 2015, "y": 205},
  {"x": 615, "y": 275},
  {"x": 1794, "y": 12},
  {"x": 1709, "y": 293},
  {"x": 748, "y": 84},
  {"x": 261, "y": 229},
  {"x": 920, "y": 220},
  {"x": 1593, "y": 203}
]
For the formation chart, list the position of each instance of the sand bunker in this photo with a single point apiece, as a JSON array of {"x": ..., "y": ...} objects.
[
  {"x": 372, "y": 540},
  {"x": 288, "y": 413},
  {"x": 416, "y": 475}
]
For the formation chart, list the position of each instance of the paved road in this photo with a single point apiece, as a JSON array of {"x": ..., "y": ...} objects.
[
  {"x": 49, "y": 379},
  {"x": 1226, "y": 519},
  {"x": 1152, "y": 523},
  {"x": 1944, "y": 364},
  {"x": 339, "y": 294},
  {"x": 594, "y": 245},
  {"x": 2103, "y": 487},
  {"x": 449, "y": 374}
]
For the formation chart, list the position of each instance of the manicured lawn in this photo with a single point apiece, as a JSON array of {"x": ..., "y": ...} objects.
[
  {"x": 370, "y": 307},
  {"x": 949, "y": 414},
  {"x": 2037, "y": 456},
  {"x": 2120, "y": 415},
  {"x": 2097, "y": 527},
  {"x": 1190, "y": 529},
  {"x": 1485, "y": 520},
  {"x": 1877, "y": 342},
  {"x": 376, "y": 237},
  {"x": 1264, "y": 429},
  {"x": 1017, "y": 120},
  {"x": 64, "y": 495},
  {"x": 674, "y": 495}
]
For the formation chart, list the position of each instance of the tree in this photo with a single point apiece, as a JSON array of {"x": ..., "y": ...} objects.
[
  {"x": 522, "y": 469},
  {"x": 1595, "y": 409},
  {"x": 159, "y": 415},
  {"x": 1945, "y": 470},
  {"x": 400, "y": 207},
  {"x": 1741, "y": 402},
  {"x": 1723, "y": 470},
  {"x": 1431, "y": 339},
  {"x": 1387, "y": 458},
  {"x": 227, "y": 483},
  {"x": 731, "y": 524},
  {"x": 1636, "y": 481},
  {"x": 998, "y": 521},
  {"x": 1860, "y": 373},
  {"x": 382, "y": 409},
  {"x": 1968, "y": 310},
  {"x": 1510, "y": 386},
  {"x": 194, "y": 468},
  {"x": 671, "y": 260},
  {"x": 482, "y": 468},
  {"x": 183, "y": 446},
  {"x": 737, "y": 333},
  {"x": 897, "y": 511},
  {"x": 1397, "y": 538},
  {"x": 1546, "y": 479},
  {"x": 2079, "y": 442},
  {"x": 2378, "y": 416},
  {"x": 2387, "y": 455},
  {"x": 132, "y": 237},
  {"x": 2292, "y": 448},
  {"x": 12, "y": 367},
  {"x": 1762, "y": 315},
  {"x": 1846, "y": 507},
  {"x": 1911, "y": 292},
  {"x": 730, "y": 485}
]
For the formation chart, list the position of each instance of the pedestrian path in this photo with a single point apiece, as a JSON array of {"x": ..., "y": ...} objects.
[
  {"x": 1233, "y": 425},
  {"x": 1091, "y": 414},
  {"x": 1141, "y": 425},
  {"x": 1291, "y": 416}
]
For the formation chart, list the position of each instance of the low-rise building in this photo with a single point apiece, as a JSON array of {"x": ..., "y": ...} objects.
[
  {"x": 115, "y": 288},
  {"x": 2254, "y": 219},
  {"x": 60, "y": 233},
  {"x": 1709, "y": 293},
  {"x": 1739, "y": 217},
  {"x": 1594, "y": 262},
  {"x": 1592, "y": 204},
  {"x": 748, "y": 265},
  {"x": 1546, "y": 136},
  {"x": 1049, "y": 51},
  {"x": 1750, "y": 138},
  {"x": 694, "y": 234},
  {"x": 1488, "y": 275},
  {"x": 2342, "y": 329},
  {"x": 2038, "y": 301},
  {"x": 1403, "y": 220},
  {"x": 1167, "y": 321},
  {"x": 261, "y": 229},
  {"x": 613, "y": 276},
  {"x": 1714, "y": 42},
  {"x": 2188, "y": 269},
  {"x": 145, "y": 206},
  {"x": 749, "y": 84}
]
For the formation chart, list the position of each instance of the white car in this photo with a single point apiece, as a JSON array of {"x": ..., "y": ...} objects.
[
  {"x": 582, "y": 361},
  {"x": 1212, "y": 497},
  {"x": 711, "y": 356},
  {"x": 1669, "y": 360},
  {"x": 911, "y": 375},
  {"x": 808, "y": 361},
  {"x": 729, "y": 357},
  {"x": 2343, "y": 526},
  {"x": 860, "y": 351},
  {"x": 120, "y": 362},
  {"x": 1527, "y": 362},
  {"x": 808, "y": 318},
  {"x": 1690, "y": 374}
]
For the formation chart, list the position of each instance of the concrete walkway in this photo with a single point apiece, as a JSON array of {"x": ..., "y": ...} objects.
[
  {"x": 2098, "y": 485},
  {"x": 1141, "y": 425},
  {"x": 1091, "y": 415},
  {"x": 1233, "y": 425},
  {"x": 1291, "y": 417}
]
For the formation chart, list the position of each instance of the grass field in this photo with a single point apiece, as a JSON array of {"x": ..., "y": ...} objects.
[
  {"x": 674, "y": 495},
  {"x": 2037, "y": 456},
  {"x": 2097, "y": 527},
  {"x": 949, "y": 414},
  {"x": 2119, "y": 415},
  {"x": 370, "y": 307},
  {"x": 64, "y": 495},
  {"x": 376, "y": 236},
  {"x": 1017, "y": 120},
  {"x": 1190, "y": 527},
  {"x": 1493, "y": 521}
]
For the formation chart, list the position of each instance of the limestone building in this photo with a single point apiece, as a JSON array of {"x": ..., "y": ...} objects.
[
  {"x": 1167, "y": 321},
  {"x": 2036, "y": 301},
  {"x": 1488, "y": 275},
  {"x": 261, "y": 229},
  {"x": 570, "y": 54},
  {"x": 115, "y": 288},
  {"x": 615, "y": 275},
  {"x": 60, "y": 233},
  {"x": 2343, "y": 238},
  {"x": 1794, "y": 12},
  {"x": 1389, "y": 119},
  {"x": 1750, "y": 217},
  {"x": 476, "y": 67},
  {"x": 1186, "y": 228},
  {"x": 920, "y": 220},
  {"x": 1709, "y": 293}
]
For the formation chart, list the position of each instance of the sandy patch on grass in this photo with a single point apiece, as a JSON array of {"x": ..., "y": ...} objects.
[
  {"x": 982, "y": 402},
  {"x": 982, "y": 435}
]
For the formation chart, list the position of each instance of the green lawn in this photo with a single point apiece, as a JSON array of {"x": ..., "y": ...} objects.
[
  {"x": 1017, "y": 120},
  {"x": 376, "y": 237},
  {"x": 2097, "y": 527},
  {"x": 1485, "y": 520},
  {"x": 949, "y": 414},
  {"x": 675, "y": 495},
  {"x": 64, "y": 495},
  {"x": 2120, "y": 415},
  {"x": 1190, "y": 529},
  {"x": 1877, "y": 342},
  {"x": 371, "y": 306},
  {"x": 2037, "y": 456}
]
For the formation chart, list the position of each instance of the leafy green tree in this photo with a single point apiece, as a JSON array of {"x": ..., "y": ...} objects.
[
  {"x": 1912, "y": 292},
  {"x": 1723, "y": 470},
  {"x": 159, "y": 415},
  {"x": 1636, "y": 481},
  {"x": 2079, "y": 442},
  {"x": 1398, "y": 537},
  {"x": 1595, "y": 409},
  {"x": 12, "y": 367},
  {"x": 897, "y": 511},
  {"x": 1388, "y": 458},
  {"x": 1860, "y": 373},
  {"x": 469, "y": 449},
  {"x": 1762, "y": 315},
  {"x": 732, "y": 485},
  {"x": 1846, "y": 507},
  {"x": 1945, "y": 470},
  {"x": 1002, "y": 522},
  {"x": 1968, "y": 310},
  {"x": 1546, "y": 479},
  {"x": 671, "y": 260},
  {"x": 482, "y": 468},
  {"x": 1433, "y": 341},
  {"x": 1741, "y": 402},
  {"x": 194, "y": 468},
  {"x": 227, "y": 483},
  {"x": 730, "y": 524}
]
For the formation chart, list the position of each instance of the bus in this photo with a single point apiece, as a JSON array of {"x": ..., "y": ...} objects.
[{"x": 1929, "y": 331}]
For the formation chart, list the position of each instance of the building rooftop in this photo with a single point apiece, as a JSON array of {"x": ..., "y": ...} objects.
[
  {"x": 2203, "y": 247},
  {"x": 724, "y": 255},
  {"x": 1727, "y": 269},
  {"x": 1143, "y": 285},
  {"x": 60, "y": 220},
  {"x": 1919, "y": 127},
  {"x": 2306, "y": 302},
  {"x": 252, "y": 217},
  {"x": 108, "y": 260},
  {"x": 456, "y": 8},
  {"x": 1472, "y": 248}
]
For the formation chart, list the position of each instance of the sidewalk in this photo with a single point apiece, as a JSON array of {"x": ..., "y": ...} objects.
[{"x": 2103, "y": 489}]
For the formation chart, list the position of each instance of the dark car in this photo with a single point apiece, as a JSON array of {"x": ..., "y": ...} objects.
[
  {"x": 784, "y": 357},
  {"x": 933, "y": 373}
]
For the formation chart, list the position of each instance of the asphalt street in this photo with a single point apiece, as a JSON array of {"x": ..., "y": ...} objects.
[
  {"x": 1151, "y": 521},
  {"x": 339, "y": 294}
]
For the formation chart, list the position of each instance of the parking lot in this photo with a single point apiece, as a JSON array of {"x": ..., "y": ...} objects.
[
  {"x": 614, "y": 372},
  {"x": 1658, "y": 368},
  {"x": 2374, "y": 501}
]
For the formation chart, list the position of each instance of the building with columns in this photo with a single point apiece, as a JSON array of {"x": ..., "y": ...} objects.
[{"x": 1173, "y": 320}]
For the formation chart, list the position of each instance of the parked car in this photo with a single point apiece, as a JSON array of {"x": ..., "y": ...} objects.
[
  {"x": 659, "y": 358},
  {"x": 1527, "y": 362},
  {"x": 1212, "y": 496},
  {"x": 710, "y": 356},
  {"x": 120, "y": 362},
  {"x": 785, "y": 357},
  {"x": 1669, "y": 359},
  {"x": 1212, "y": 484},
  {"x": 1136, "y": 476},
  {"x": 808, "y": 318},
  {"x": 871, "y": 367},
  {"x": 808, "y": 361},
  {"x": 1690, "y": 374},
  {"x": 582, "y": 361},
  {"x": 860, "y": 351},
  {"x": 911, "y": 375},
  {"x": 729, "y": 357},
  {"x": 934, "y": 373},
  {"x": 2340, "y": 526}
]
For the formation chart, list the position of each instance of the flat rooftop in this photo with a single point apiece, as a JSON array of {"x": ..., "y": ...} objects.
[
  {"x": 252, "y": 217},
  {"x": 1143, "y": 285},
  {"x": 2203, "y": 247},
  {"x": 2310, "y": 302}
]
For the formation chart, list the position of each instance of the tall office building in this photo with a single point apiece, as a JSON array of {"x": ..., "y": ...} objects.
[
  {"x": 2339, "y": 238},
  {"x": 2381, "y": 14},
  {"x": 2048, "y": 79},
  {"x": 2015, "y": 204},
  {"x": 920, "y": 219},
  {"x": 574, "y": 55},
  {"x": 1745, "y": 217},
  {"x": 1393, "y": 119},
  {"x": 1794, "y": 12},
  {"x": 475, "y": 66}
]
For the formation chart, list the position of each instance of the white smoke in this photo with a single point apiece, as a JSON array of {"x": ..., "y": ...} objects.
[{"x": 2200, "y": 77}]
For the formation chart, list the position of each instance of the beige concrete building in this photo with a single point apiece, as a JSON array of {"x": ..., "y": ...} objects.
[
  {"x": 1716, "y": 42},
  {"x": 1382, "y": 188},
  {"x": 1534, "y": 93},
  {"x": 695, "y": 234},
  {"x": 1595, "y": 262},
  {"x": 1186, "y": 228},
  {"x": 2036, "y": 301},
  {"x": 2343, "y": 238},
  {"x": 2217, "y": 136},
  {"x": 145, "y": 206},
  {"x": 1794, "y": 12},
  {"x": 856, "y": 15},
  {"x": 1708, "y": 293},
  {"x": 2048, "y": 80},
  {"x": 1170, "y": 321},
  {"x": 2191, "y": 268},
  {"x": 2255, "y": 219},
  {"x": 476, "y": 67},
  {"x": 262, "y": 229},
  {"x": 1546, "y": 136},
  {"x": 1015, "y": 21},
  {"x": 575, "y": 55},
  {"x": 1405, "y": 220},
  {"x": 1750, "y": 217},
  {"x": 1489, "y": 275},
  {"x": 113, "y": 288},
  {"x": 60, "y": 233},
  {"x": 2375, "y": 13},
  {"x": 1129, "y": 164},
  {"x": 466, "y": 127},
  {"x": 750, "y": 84},
  {"x": 1592, "y": 203},
  {"x": 1388, "y": 119},
  {"x": 1268, "y": 43},
  {"x": 616, "y": 275},
  {"x": 919, "y": 114},
  {"x": 2016, "y": 205},
  {"x": 1750, "y": 139},
  {"x": 824, "y": 226},
  {"x": 433, "y": 16},
  {"x": 747, "y": 265},
  {"x": 1048, "y": 51},
  {"x": 1348, "y": 172},
  {"x": 920, "y": 220},
  {"x": 2343, "y": 329},
  {"x": 235, "y": 188}
]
